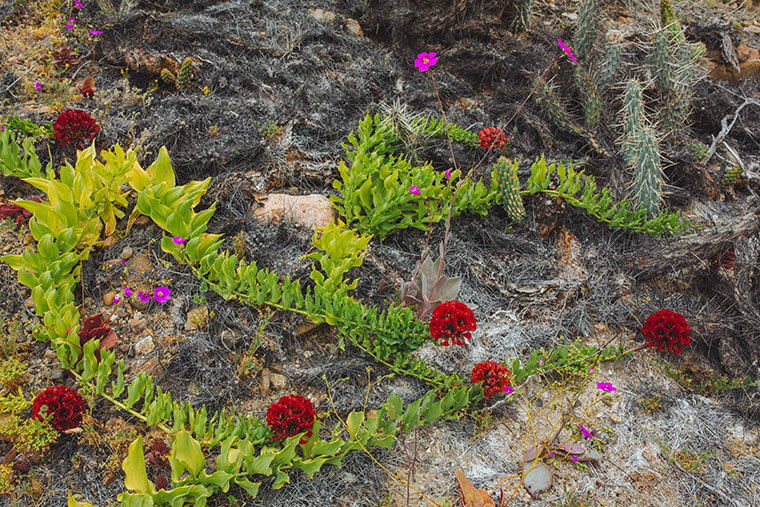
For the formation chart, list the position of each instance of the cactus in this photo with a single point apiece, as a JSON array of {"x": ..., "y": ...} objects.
[
  {"x": 659, "y": 61},
  {"x": 509, "y": 187},
  {"x": 586, "y": 29},
  {"x": 672, "y": 65},
  {"x": 591, "y": 104},
  {"x": 167, "y": 76},
  {"x": 730, "y": 176},
  {"x": 670, "y": 22},
  {"x": 185, "y": 73},
  {"x": 613, "y": 62},
  {"x": 633, "y": 113},
  {"x": 647, "y": 172},
  {"x": 547, "y": 99},
  {"x": 522, "y": 20}
]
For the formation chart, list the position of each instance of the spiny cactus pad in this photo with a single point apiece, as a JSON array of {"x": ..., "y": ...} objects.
[
  {"x": 167, "y": 76},
  {"x": 509, "y": 186},
  {"x": 185, "y": 74},
  {"x": 730, "y": 176}
]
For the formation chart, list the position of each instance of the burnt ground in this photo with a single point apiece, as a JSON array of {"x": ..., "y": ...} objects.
[{"x": 559, "y": 276}]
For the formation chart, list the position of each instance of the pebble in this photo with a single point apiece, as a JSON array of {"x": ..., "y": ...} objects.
[
  {"x": 230, "y": 337},
  {"x": 137, "y": 325},
  {"x": 615, "y": 418},
  {"x": 57, "y": 374},
  {"x": 126, "y": 253},
  {"x": 7, "y": 248},
  {"x": 142, "y": 221},
  {"x": 29, "y": 303},
  {"x": 50, "y": 355},
  {"x": 196, "y": 317},
  {"x": 108, "y": 297},
  {"x": 278, "y": 381},
  {"x": 354, "y": 27},
  {"x": 145, "y": 346},
  {"x": 265, "y": 381}
]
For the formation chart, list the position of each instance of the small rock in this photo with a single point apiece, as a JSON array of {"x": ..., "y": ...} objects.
[
  {"x": 124, "y": 348},
  {"x": 753, "y": 29},
  {"x": 615, "y": 418},
  {"x": 126, "y": 253},
  {"x": 353, "y": 26},
  {"x": 29, "y": 303},
  {"x": 196, "y": 317},
  {"x": 322, "y": 15},
  {"x": 278, "y": 380},
  {"x": 108, "y": 297},
  {"x": 142, "y": 221},
  {"x": 308, "y": 210},
  {"x": 571, "y": 16},
  {"x": 57, "y": 374},
  {"x": 138, "y": 305},
  {"x": 110, "y": 241},
  {"x": 137, "y": 325},
  {"x": 7, "y": 248},
  {"x": 265, "y": 381},
  {"x": 145, "y": 346},
  {"x": 50, "y": 355},
  {"x": 277, "y": 368},
  {"x": 307, "y": 354},
  {"x": 231, "y": 337}
]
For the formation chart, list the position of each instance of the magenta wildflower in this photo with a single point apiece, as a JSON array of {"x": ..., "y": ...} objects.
[
  {"x": 70, "y": 24},
  {"x": 540, "y": 362},
  {"x": 95, "y": 32},
  {"x": 551, "y": 454},
  {"x": 425, "y": 60},
  {"x": 178, "y": 240},
  {"x": 116, "y": 299},
  {"x": 127, "y": 291},
  {"x": 586, "y": 433},
  {"x": 123, "y": 262},
  {"x": 77, "y": 4},
  {"x": 508, "y": 389},
  {"x": 161, "y": 294},
  {"x": 575, "y": 458},
  {"x": 2, "y": 127},
  {"x": 591, "y": 370},
  {"x": 37, "y": 85},
  {"x": 415, "y": 190},
  {"x": 448, "y": 174},
  {"x": 607, "y": 387},
  {"x": 143, "y": 296}
]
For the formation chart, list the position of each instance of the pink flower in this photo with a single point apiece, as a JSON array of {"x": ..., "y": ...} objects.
[
  {"x": 116, "y": 299},
  {"x": 143, "y": 296},
  {"x": 540, "y": 362},
  {"x": 177, "y": 240},
  {"x": 607, "y": 387},
  {"x": 591, "y": 370},
  {"x": 70, "y": 24},
  {"x": 425, "y": 60},
  {"x": 122, "y": 262},
  {"x": 551, "y": 454},
  {"x": 575, "y": 458},
  {"x": 448, "y": 174},
  {"x": 127, "y": 291},
  {"x": 95, "y": 32},
  {"x": 415, "y": 190},
  {"x": 508, "y": 389},
  {"x": 77, "y": 4},
  {"x": 2, "y": 127},
  {"x": 161, "y": 294},
  {"x": 586, "y": 433},
  {"x": 37, "y": 85}
]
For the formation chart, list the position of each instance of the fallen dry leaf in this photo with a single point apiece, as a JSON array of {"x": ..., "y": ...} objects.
[{"x": 472, "y": 497}]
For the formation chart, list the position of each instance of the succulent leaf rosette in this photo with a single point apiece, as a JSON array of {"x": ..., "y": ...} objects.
[
  {"x": 290, "y": 416},
  {"x": 667, "y": 330},
  {"x": 64, "y": 406}
]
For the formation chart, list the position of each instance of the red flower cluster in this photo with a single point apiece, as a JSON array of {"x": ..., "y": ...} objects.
[
  {"x": 667, "y": 330},
  {"x": 159, "y": 451},
  {"x": 492, "y": 136},
  {"x": 452, "y": 320},
  {"x": 8, "y": 209},
  {"x": 64, "y": 407},
  {"x": 495, "y": 377},
  {"x": 94, "y": 328},
  {"x": 724, "y": 260},
  {"x": 75, "y": 127},
  {"x": 290, "y": 416}
]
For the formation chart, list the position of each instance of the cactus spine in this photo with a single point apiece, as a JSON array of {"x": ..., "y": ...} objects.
[
  {"x": 613, "y": 62},
  {"x": 640, "y": 151},
  {"x": 730, "y": 176},
  {"x": 185, "y": 74},
  {"x": 586, "y": 29},
  {"x": 509, "y": 185},
  {"x": 522, "y": 20}
]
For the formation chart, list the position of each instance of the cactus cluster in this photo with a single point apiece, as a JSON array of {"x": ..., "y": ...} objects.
[
  {"x": 547, "y": 97},
  {"x": 589, "y": 93},
  {"x": 670, "y": 22},
  {"x": 509, "y": 186},
  {"x": 185, "y": 74},
  {"x": 730, "y": 176},
  {"x": 522, "y": 19},
  {"x": 640, "y": 151},
  {"x": 586, "y": 29},
  {"x": 167, "y": 76},
  {"x": 672, "y": 64}
]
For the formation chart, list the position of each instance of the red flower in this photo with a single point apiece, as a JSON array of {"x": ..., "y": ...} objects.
[
  {"x": 667, "y": 330},
  {"x": 64, "y": 407},
  {"x": 8, "y": 209},
  {"x": 75, "y": 127},
  {"x": 492, "y": 137},
  {"x": 452, "y": 320},
  {"x": 290, "y": 416},
  {"x": 161, "y": 482},
  {"x": 495, "y": 377},
  {"x": 159, "y": 451},
  {"x": 724, "y": 259}
]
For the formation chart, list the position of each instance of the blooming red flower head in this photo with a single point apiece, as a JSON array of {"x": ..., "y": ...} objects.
[
  {"x": 491, "y": 136},
  {"x": 159, "y": 452},
  {"x": 64, "y": 407},
  {"x": 453, "y": 321},
  {"x": 290, "y": 416},
  {"x": 724, "y": 259},
  {"x": 495, "y": 377},
  {"x": 75, "y": 127},
  {"x": 667, "y": 330}
]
